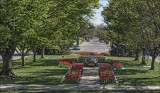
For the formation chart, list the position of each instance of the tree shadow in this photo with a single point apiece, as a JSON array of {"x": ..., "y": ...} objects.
[
  {"x": 129, "y": 72},
  {"x": 139, "y": 81},
  {"x": 46, "y": 62},
  {"x": 131, "y": 63},
  {"x": 46, "y": 77}
]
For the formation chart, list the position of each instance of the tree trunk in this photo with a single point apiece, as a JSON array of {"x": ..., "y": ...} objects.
[
  {"x": 152, "y": 64},
  {"x": 34, "y": 55},
  {"x": 138, "y": 51},
  {"x": 77, "y": 41},
  {"x": 7, "y": 55},
  {"x": 155, "y": 53},
  {"x": 143, "y": 57},
  {"x": 23, "y": 59},
  {"x": 42, "y": 52}
]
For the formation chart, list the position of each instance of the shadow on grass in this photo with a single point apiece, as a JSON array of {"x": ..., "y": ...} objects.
[
  {"x": 40, "y": 72},
  {"x": 135, "y": 79},
  {"x": 131, "y": 63},
  {"x": 128, "y": 61},
  {"x": 46, "y": 77},
  {"x": 47, "y": 62},
  {"x": 129, "y": 72},
  {"x": 140, "y": 81}
]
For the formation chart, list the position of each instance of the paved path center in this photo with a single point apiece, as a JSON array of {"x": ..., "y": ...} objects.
[{"x": 90, "y": 76}]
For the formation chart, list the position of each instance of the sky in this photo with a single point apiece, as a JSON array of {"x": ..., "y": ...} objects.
[{"x": 98, "y": 19}]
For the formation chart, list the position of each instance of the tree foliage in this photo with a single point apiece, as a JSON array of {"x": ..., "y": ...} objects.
[
  {"x": 135, "y": 24},
  {"x": 27, "y": 24}
]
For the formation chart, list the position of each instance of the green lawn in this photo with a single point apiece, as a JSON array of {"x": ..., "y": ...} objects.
[
  {"x": 44, "y": 71},
  {"x": 81, "y": 91},
  {"x": 136, "y": 76}
]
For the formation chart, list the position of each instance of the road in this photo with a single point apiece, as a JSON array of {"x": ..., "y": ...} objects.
[
  {"x": 15, "y": 57},
  {"x": 93, "y": 46},
  {"x": 96, "y": 46},
  {"x": 157, "y": 59}
]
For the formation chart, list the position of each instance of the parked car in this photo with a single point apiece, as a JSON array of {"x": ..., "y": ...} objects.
[
  {"x": 101, "y": 40},
  {"x": 88, "y": 40},
  {"x": 76, "y": 47}
]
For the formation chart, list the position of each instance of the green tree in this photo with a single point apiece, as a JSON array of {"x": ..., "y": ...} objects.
[
  {"x": 17, "y": 19},
  {"x": 134, "y": 23},
  {"x": 47, "y": 21}
]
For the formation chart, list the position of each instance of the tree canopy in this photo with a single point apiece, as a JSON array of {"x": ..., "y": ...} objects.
[
  {"x": 30, "y": 23},
  {"x": 135, "y": 24}
]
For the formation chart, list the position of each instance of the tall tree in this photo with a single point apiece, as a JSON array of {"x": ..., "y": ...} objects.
[
  {"x": 49, "y": 20},
  {"x": 17, "y": 18},
  {"x": 133, "y": 24}
]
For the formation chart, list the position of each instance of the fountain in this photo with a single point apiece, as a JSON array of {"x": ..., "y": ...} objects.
[{"x": 91, "y": 61}]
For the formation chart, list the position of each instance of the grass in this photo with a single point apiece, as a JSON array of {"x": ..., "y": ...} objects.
[
  {"x": 44, "y": 71},
  {"x": 128, "y": 61},
  {"x": 47, "y": 72},
  {"x": 82, "y": 91},
  {"x": 137, "y": 76}
]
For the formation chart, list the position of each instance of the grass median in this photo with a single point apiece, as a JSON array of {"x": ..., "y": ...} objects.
[
  {"x": 47, "y": 72},
  {"x": 135, "y": 74},
  {"x": 44, "y": 71}
]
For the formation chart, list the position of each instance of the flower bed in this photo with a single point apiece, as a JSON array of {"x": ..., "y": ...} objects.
[
  {"x": 106, "y": 54},
  {"x": 106, "y": 74},
  {"x": 81, "y": 59},
  {"x": 66, "y": 62},
  {"x": 73, "y": 77},
  {"x": 69, "y": 60},
  {"x": 77, "y": 67},
  {"x": 100, "y": 54},
  {"x": 101, "y": 59},
  {"x": 116, "y": 64},
  {"x": 87, "y": 53}
]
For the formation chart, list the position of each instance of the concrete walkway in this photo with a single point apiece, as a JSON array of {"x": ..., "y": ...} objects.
[
  {"x": 68, "y": 87},
  {"x": 90, "y": 76}
]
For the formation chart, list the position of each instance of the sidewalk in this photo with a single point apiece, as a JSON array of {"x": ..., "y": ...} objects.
[
  {"x": 90, "y": 76},
  {"x": 70, "y": 87},
  {"x": 157, "y": 59},
  {"x": 14, "y": 58}
]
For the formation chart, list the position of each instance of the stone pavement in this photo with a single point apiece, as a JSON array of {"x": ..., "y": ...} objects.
[
  {"x": 70, "y": 87},
  {"x": 90, "y": 76}
]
